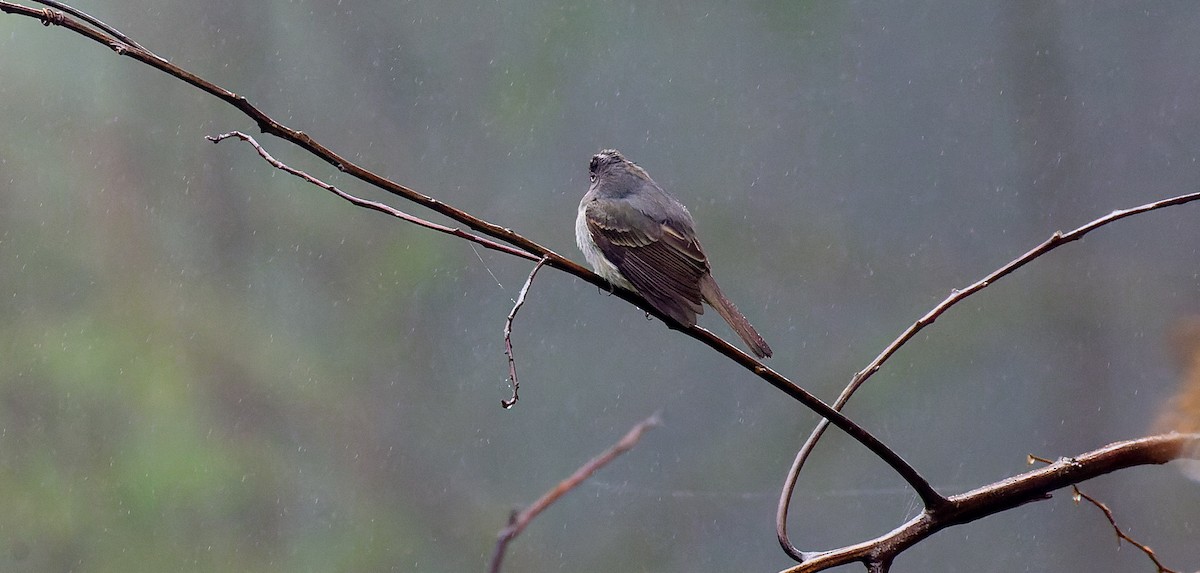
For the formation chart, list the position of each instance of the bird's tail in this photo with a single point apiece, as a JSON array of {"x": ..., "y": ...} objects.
[{"x": 714, "y": 297}]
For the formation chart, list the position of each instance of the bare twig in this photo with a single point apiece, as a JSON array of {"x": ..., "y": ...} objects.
[
  {"x": 1121, "y": 534},
  {"x": 373, "y": 205},
  {"x": 928, "y": 495},
  {"x": 1077, "y": 494},
  {"x": 1056, "y": 240},
  {"x": 508, "y": 349},
  {"x": 1004, "y": 495},
  {"x": 518, "y": 521}
]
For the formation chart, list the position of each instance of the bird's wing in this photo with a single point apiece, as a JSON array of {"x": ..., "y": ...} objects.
[{"x": 664, "y": 263}]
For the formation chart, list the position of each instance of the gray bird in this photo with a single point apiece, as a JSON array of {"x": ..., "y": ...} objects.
[{"x": 640, "y": 238}]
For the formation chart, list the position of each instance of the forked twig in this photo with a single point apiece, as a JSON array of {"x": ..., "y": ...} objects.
[
  {"x": 508, "y": 349},
  {"x": 376, "y": 206},
  {"x": 518, "y": 521},
  {"x": 1056, "y": 240}
]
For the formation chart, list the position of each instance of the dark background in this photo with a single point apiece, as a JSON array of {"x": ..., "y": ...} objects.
[{"x": 206, "y": 365}]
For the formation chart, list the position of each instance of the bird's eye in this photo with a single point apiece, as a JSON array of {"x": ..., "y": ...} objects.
[{"x": 592, "y": 177}]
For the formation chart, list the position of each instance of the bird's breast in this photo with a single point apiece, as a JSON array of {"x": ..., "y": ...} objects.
[{"x": 595, "y": 257}]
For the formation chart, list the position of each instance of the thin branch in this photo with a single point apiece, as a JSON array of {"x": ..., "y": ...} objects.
[
  {"x": 1007, "y": 494},
  {"x": 1077, "y": 494},
  {"x": 1121, "y": 534},
  {"x": 508, "y": 349},
  {"x": 373, "y": 205},
  {"x": 518, "y": 521},
  {"x": 536, "y": 251},
  {"x": 1056, "y": 240}
]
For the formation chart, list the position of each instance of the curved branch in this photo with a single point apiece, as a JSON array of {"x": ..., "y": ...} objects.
[
  {"x": 1057, "y": 239},
  {"x": 1006, "y": 494}
]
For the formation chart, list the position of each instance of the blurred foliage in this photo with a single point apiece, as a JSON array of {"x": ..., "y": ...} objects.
[{"x": 206, "y": 365}]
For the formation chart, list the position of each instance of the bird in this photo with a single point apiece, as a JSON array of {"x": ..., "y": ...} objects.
[{"x": 638, "y": 237}]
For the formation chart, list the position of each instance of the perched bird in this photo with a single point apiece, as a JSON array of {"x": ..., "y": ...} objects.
[{"x": 640, "y": 238}]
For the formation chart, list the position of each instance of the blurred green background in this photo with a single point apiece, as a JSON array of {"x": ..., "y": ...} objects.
[{"x": 206, "y": 365}]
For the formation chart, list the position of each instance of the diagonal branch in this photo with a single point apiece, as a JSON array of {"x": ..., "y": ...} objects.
[
  {"x": 928, "y": 495},
  {"x": 1056, "y": 240},
  {"x": 520, "y": 520}
]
